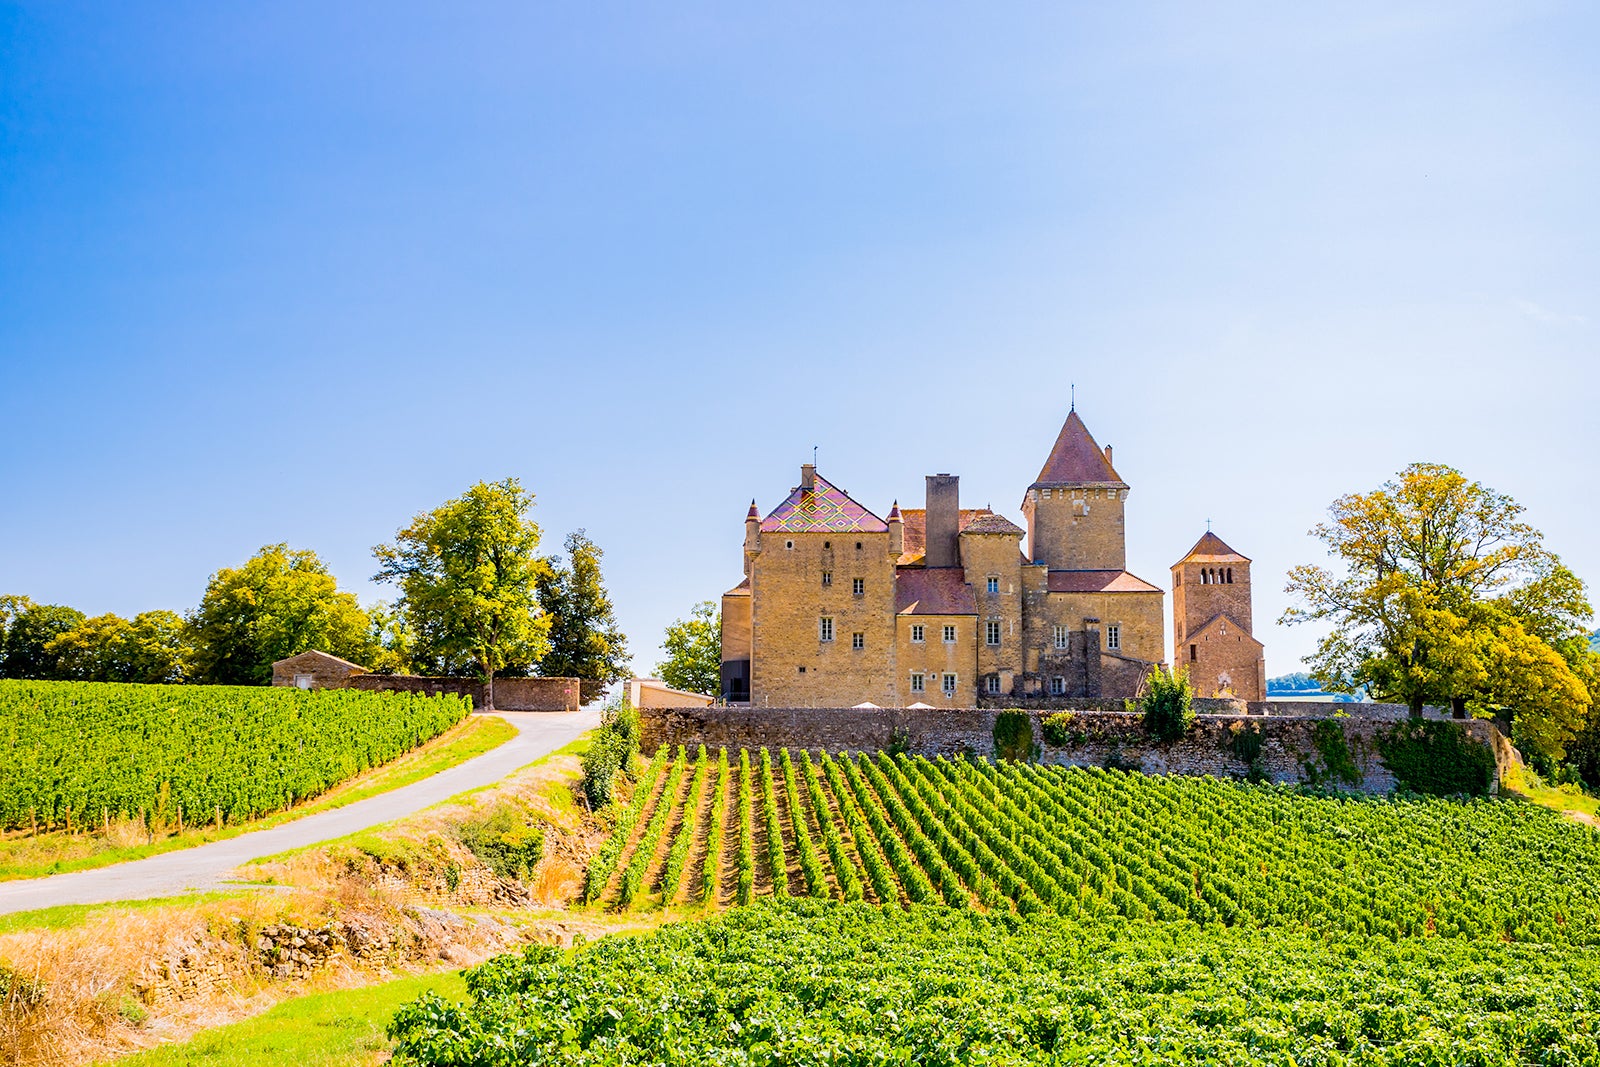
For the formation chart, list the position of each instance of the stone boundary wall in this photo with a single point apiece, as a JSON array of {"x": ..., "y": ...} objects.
[
  {"x": 1099, "y": 738},
  {"x": 510, "y": 694}
]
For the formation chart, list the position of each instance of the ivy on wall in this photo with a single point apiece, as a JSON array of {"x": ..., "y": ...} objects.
[{"x": 1438, "y": 758}]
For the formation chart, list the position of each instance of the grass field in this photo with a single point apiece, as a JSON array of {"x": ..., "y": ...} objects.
[
  {"x": 25, "y": 855},
  {"x": 338, "y": 1029}
]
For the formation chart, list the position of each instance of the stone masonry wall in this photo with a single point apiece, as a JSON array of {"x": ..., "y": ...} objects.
[
  {"x": 510, "y": 694},
  {"x": 1099, "y": 737}
]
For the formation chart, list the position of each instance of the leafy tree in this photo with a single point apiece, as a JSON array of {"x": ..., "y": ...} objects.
[
  {"x": 392, "y": 639},
  {"x": 467, "y": 572},
  {"x": 1167, "y": 703},
  {"x": 28, "y": 635},
  {"x": 1447, "y": 596},
  {"x": 282, "y": 602},
  {"x": 152, "y": 648},
  {"x": 694, "y": 651},
  {"x": 585, "y": 640}
]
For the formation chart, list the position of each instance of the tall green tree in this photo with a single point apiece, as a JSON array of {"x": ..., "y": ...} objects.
[
  {"x": 152, "y": 647},
  {"x": 1446, "y": 596},
  {"x": 585, "y": 640},
  {"x": 468, "y": 573},
  {"x": 28, "y": 634},
  {"x": 282, "y": 602},
  {"x": 694, "y": 651}
]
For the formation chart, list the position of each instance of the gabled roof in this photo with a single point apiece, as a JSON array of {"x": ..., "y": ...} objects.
[
  {"x": 1076, "y": 459},
  {"x": 1211, "y": 549},
  {"x": 933, "y": 591},
  {"x": 914, "y": 530},
  {"x": 321, "y": 655},
  {"x": 742, "y": 589},
  {"x": 824, "y": 509},
  {"x": 1216, "y": 620},
  {"x": 1098, "y": 582}
]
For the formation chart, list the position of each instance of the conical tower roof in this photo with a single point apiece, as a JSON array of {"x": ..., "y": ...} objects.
[
  {"x": 1077, "y": 460},
  {"x": 1212, "y": 549}
]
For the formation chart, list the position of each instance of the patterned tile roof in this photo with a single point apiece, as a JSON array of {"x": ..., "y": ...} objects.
[
  {"x": 1076, "y": 459},
  {"x": 825, "y": 509},
  {"x": 933, "y": 591},
  {"x": 1098, "y": 582},
  {"x": 1212, "y": 549}
]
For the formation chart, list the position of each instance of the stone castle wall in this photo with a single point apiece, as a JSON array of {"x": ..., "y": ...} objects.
[
  {"x": 1098, "y": 736},
  {"x": 510, "y": 694}
]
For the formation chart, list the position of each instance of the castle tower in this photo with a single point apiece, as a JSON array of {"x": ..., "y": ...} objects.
[
  {"x": 1075, "y": 507},
  {"x": 1212, "y": 621}
]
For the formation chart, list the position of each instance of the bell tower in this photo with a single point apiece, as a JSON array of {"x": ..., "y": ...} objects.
[{"x": 1212, "y": 624}]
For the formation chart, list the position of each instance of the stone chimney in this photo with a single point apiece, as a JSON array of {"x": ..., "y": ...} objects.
[
  {"x": 1108, "y": 454},
  {"x": 943, "y": 530},
  {"x": 808, "y": 477}
]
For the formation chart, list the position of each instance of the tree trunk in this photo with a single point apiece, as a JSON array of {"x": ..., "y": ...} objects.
[
  {"x": 488, "y": 690},
  {"x": 1415, "y": 704},
  {"x": 1458, "y": 707}
]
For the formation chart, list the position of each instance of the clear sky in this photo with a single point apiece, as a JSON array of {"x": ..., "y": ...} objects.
[{"x": 296, "y": 271}]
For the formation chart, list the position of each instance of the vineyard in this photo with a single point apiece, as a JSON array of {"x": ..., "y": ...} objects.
[
  {"x": 77, "y": 753},
  {"x": 714, "y": 830},
  {"x": 805, "y": 983}
]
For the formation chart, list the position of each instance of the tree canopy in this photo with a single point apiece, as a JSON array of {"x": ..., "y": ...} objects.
[
  {"x": 585, "y": 639},
  {"x": 694, "y": 651},
  {"x": 29, "y": 629},
  {"x": 468, "y": 572},
  {"x": 1447, "y": 596},
  {"x": 282, "y": 602},
  {"x": 152, "y": 647}
]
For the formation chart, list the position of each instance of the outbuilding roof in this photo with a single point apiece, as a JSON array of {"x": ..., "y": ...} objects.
[
  {"x": 1098, "y": 582},
  {"x": 933, "y": 591}
]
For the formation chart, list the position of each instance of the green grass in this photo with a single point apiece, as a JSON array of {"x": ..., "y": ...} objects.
[
  {"x": 339, "y": 1029},
  {"x": 57, "y": 853},
  {"x": 1522, "y": 782},
  {"x": 66, "y": 915}
]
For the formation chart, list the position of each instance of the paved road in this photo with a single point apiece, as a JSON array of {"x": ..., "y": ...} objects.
[{"x": 204, "y": 866}]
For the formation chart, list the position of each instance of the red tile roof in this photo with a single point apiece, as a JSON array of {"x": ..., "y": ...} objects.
[
  {"x": 992, "y": 524},
  {"x": 1098, "y": 582},
  {"x": 1211, "y": 549},
  {"x": 1076, "y": 459},
  {"x": 914, "y": 536},
  {"x": 742, "y": 589},
  {"x": 933, "y": 591},
  {"x": 825, "y": 509}
]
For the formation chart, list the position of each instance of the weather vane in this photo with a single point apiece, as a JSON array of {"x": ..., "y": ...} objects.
[{"x": 1074, "y": 396}]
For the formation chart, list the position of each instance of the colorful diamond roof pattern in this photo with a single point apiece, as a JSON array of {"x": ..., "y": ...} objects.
[{"x": 824, "y": 509}]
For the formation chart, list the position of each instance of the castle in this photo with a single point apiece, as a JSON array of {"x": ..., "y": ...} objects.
[{"x": 940, "y": 605}]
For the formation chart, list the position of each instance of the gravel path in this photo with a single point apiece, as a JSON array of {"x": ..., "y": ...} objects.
[{"x": 206, "y": 866}]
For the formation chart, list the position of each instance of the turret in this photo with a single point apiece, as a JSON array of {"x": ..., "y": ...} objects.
[
  {"x": 1075, "y": 507},
  {"x": 752, "y": 536},
  {"x": 897, "y": 532}
]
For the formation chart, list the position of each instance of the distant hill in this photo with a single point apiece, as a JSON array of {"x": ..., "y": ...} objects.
[
  {"x": 1594, "y": 641},
  {"x": 1301, "y": 686}
]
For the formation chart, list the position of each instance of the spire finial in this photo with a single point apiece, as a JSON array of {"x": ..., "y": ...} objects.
[
  {"x": 813, "y": 455},
  {"x": 1208, "y": 526},
  {"x": 1074, "y": 398}
]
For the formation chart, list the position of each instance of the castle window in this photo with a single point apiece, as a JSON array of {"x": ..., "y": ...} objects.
[
  {"x": 993, "y": 584},
  {"x": 802, "y": 670},
  {"x": 827, "y": 544},
  {"x": 858, "y": 586},
  {"x": 992, "y": 632},
  {"x": 1113, "y": 637},
  {"x": 788, "y": 544},
  {"x": 858, "y": 641},
  {"x": 1058, "y": 686},
  {"x": 858, "y": 546},
  {"x": 917, "y": 633},
  {"x": 1063, "y": 637},
  {"x": 992, "y": 683},
  {"x": 825, "y": 629},
  {"x": 827, "y": 579},
  {"x": 949, "y": 636},
  {"x": 949, "y": 685},
  {"x": 1230, "y": 575},
  {"x": 916, "y": 682},
  {"x": 1193, "y": 653}
]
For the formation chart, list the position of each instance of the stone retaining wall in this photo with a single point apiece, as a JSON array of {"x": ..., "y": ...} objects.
[
  {"x": 1096, "y": 738},
  {"x": 510, "y": 694}
]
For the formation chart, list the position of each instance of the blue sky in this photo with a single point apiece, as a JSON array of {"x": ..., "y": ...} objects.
[{"x": 281, "y": 272}]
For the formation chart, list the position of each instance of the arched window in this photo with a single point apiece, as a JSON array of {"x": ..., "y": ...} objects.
[
  {"x": 1230, "y": 575},
  {"x": 1203, "y": 579}
]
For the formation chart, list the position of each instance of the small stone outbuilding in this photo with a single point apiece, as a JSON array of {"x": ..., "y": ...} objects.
[{"x": 315, "y": 670}]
